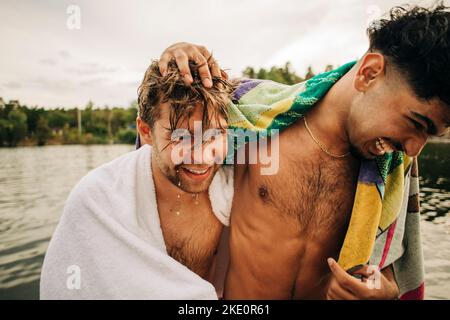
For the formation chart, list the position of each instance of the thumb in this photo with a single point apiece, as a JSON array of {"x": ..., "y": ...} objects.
[{"x": 335, "y": 267}]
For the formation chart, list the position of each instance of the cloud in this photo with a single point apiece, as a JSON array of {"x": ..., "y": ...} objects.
[
  {"x": 48, "y": 61},
  {"x": 13, "y": 85},
  {"x": 133, "y": 83},
  {"x": 88, "y": 69},
  {"x": 64, "y": 54},
  {"x": 94, "y": 82}
]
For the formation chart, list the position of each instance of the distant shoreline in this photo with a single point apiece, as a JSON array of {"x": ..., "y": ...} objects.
[
  {"x": 53, "y": 143},
  {"x": 65, "y": 144},
  {"x": 439, "y": 140}
]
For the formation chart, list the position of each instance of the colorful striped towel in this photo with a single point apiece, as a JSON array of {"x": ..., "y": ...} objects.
[{"x": 384, "y": 227}]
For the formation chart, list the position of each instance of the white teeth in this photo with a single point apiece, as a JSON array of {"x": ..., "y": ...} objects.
[
  {"x": 385, "y": 145},
  {"x": 379, "y": 146},
  {"x": 197, "y": 171},
  {"x": 382, "y": 146}
]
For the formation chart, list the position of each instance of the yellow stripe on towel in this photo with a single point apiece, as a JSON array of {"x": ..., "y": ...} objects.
[
  {"x": 277, "y": 108},
  {"x": 366, "y": 213}
]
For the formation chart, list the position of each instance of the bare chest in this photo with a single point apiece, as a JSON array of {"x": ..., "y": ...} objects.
[
  {"x": 317, "y": 193},
  {"x": 191, "y": 235},
  {"x": 310, "y": 190}
]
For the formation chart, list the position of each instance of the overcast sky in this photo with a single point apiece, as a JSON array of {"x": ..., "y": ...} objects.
[{"x": 46, "y": 60}]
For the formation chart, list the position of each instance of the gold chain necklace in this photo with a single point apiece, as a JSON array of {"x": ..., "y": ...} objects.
[{"x": 320, "y": 145}]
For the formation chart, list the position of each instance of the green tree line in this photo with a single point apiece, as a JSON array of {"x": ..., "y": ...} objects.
[
  {"x": 283, "y": 74},
  {"x": 21, "y": 125}
]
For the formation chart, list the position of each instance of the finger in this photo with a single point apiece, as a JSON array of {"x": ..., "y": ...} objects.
[
  {"x": 341, "y": 276},
  {"x": 365, "y": 271},
  {"x": 163, "y": 66},
  {"x": 163, "y": 63},
  {"x": 336, "y": 292},
  {"x": 215, "y": 69},
  {"x": 204, "y": 52},
  {"x": 342, "y": 294},
  {"x": 183, "y": 65},
  {"x": 203, "y": 70},
  {"x": 356, "y": 286}
]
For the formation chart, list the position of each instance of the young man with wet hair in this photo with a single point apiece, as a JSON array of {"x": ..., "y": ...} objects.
[{"x": 146, "y": 225}]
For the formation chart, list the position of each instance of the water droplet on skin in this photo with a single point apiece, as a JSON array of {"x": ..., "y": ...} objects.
[
  {"x": 179, "y": 183},
  {"x": 178, "y": 213},
  {"x": 178, "y": 196}
]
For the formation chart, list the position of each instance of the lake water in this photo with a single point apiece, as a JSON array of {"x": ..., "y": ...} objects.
[{"x": 35, "y": 182}]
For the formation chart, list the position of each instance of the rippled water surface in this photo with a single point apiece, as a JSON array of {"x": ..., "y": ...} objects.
[{"x": 35, "y": 182}]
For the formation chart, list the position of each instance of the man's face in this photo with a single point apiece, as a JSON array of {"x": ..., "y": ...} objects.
[
  {"x": 187, "y": 162},
  {"x": 389, "y": 110}
]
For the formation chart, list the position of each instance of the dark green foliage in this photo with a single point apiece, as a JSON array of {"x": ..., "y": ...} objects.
[{"x": 21, "y": 125}]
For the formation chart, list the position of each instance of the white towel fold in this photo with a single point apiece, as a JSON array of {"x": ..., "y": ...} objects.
[{"x": 109, "y": 241}]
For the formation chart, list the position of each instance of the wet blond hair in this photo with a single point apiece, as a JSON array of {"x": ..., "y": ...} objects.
[{"x": 156, "y": 89}]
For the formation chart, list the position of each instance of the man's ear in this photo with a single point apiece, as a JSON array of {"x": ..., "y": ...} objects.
[
  {"x": 144, "y": 130},
  {"x": 372, "y": 68}
]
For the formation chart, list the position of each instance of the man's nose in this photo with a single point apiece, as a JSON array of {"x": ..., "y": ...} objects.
[
  {"x": 203, "y": 154},
  {"x": 414, "y": 146},
  {"x": 209, "y": 154}
]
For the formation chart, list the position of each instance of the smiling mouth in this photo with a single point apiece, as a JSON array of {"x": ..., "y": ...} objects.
[
  {"x": 197, "y": 174},
  {"x": 194, "y": 171},
  {"x": 382, "y": 146}
]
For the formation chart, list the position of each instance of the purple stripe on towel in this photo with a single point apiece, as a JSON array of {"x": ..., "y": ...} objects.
[
  {"x": 244, "y": 86},
  {"x": 369, "y": 172}
]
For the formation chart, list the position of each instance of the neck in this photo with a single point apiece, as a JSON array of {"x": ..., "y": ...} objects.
[{"x": 328, "y": 119}]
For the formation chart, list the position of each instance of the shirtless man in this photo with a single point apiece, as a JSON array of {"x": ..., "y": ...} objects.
[
  {"x": 389, "y": 100},
  {"x": 122, "y": 224}
]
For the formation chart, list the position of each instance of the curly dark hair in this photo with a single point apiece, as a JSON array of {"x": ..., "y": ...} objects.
[{"x": 416, "y": 41}]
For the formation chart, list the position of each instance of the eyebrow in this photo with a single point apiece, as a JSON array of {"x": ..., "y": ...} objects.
[
  {"x": 431, "y": 127},
  {"x": 191, "y": 131}
]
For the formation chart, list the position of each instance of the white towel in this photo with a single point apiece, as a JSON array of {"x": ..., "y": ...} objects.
[{"x": 109, "y": 243}]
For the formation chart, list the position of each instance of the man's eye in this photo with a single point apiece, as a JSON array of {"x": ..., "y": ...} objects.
[
  {"x": 212, "y": 135},
  {"x": 179, "y": 138},
  {"x": 417, "y": 124},
  {"x": 209, "y": 138}
]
